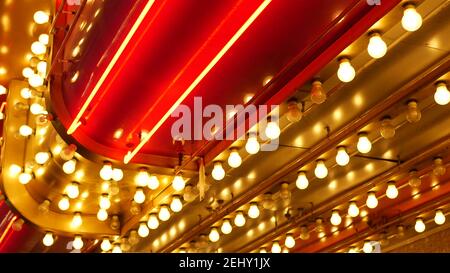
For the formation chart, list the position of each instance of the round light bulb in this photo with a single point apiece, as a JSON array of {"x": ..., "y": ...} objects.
[
  {"x": 411, "y": 20},
  {"x": 153, "y": 182},
  {"x": 214, "y": 235},
  {"x": 178, "y": 183},
  {"x": 226, "y": 227},
  {"x": 234, "y": 160},
  {"x": 116, "y": 249},
  {"x": 346, "y": 72},
  {"x": 353, "y": 209},
  {"x": 377, "y": 48},
  {"x": 27, "y": 72},
  {"x": 420, "y": 225},
  {"x": 276, "y": 248},
  {"x": 73, "y": 190},
  {"x": 25, "y": 178},
  {"x": 139, "y": 196},
  {"x": 35, "y": 81},
  {"x": 14, "y": 169},
  {"x": 105, "y": 245},
  {"x": 102, "y": 215},
  {"x": 442, "y": 95},
  {"x": 26, "y": 93},
  {"x": 42, "y": 157},
  {"x": 289, "y": 242},
  {"x": 364, "y": 145},
  {"x": 77, "y": 220},
  {"x": 176, "y": 205},
  {"x": 153, "y": 222},
  {"x": 25, "y": 130},
  {"x": 413, "y": 114},
  {"x": 63, "y": 203},
  {"x": 302, "y": 181},
  {"x": 342, "y": 158},
  {"x": 252, "y": 146},
  {"x": 372, "y": 201},
  {"x": 367, "y": 247},
  {"x": 77, "y": 242},
  {"x": 37, "y": 109},
  {"x": 41, "y": 17},
  {"x": 48, "y": 239},
  {"x": 142, "y": 178},
  {"x": 335, "y": 218},
  {"x": 69, "y": 166},
  {"x": 318, "y": 94},
  {"x": 143, "y": 230},
  {"x": 239, "y": 219},
  {"x": 439, "y": 217},
  {"x": 391, "y": 191},
  {"x": 294, "y": 113},
  {"x": 272, "y": 130},
  {"x": 164, "y": 213},
  {"x": 438, "y": 168},
  {"x": 321, "y": 170},
  {"x": 117, "y": 174},
  {"x": 218, "y": 173},
  {"x": 44, "y": 39},
  {"x": 38, "y": 48},
  {"x": 104, "y": 202},
  {"x": 106, "y": 171},
  {"x": 253, "y": 211},
  {"x": 387, "y": 129}
]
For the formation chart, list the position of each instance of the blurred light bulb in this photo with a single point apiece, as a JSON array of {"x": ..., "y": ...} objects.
[
  {"x": 178, "y": 183},
  {"x": 218, "y": 173},
  {"x": 439, "y": 217},
  {"x": 14, "y": 169},
  {"x": 252, "y": 146},
  {"x": 37, "y": 109},
  {"x": 285, "y": 193},
  {"x": 106, "y": 171},
  {"x": 189, "y": 194},
  {"x": 353, "y": 209},
  {"x": 176, "y": 205},
  {"x": 438, "y": 168},
  {"x": 372, "y": 201},
  {"x": 411, "y": 20},
  {"x": 69, "y": 166},
  {"x": 41, "y": 17},
  {"x": 276, "y": 248},
  {"x": 104, "y": 202},
  {"x": 142, "y": 178},
  {"x": 63, "y": 203},
  {"x": 253, "y": 211},
  {"x": 77, "y": 221},
  {"x": 272, "y": 130},
  {"x": 414, "y": 180},
  {"x": 304, "y": 232},
  {"x": 294, "y": 113},
  {"x": 116, "y": 249},
  {"x": 387, "y": 129},
  {"x": 318, "y": 94},
  {"x": 289, "y": 242},
  {"x": 139, "y": 196},
  {"x": 420, "y": 225},
  {"x": 234, "y": 160},
  {"x": 442, "y": 95},
  {"x": 27, "y": 72},
  {"x": 364, "y": 145},
  {"x": 214, "y": 235},
  {"x": 48, "y": 239},
  {"x": 153, "y": 222},
  {"x": 35, "y": 81},
  {"x": 391, "y": 191},
  {"x": 367, "y": 247},
  {"x": 117, "y": 174},
  {"x": 42, "y": 157},
  {"x": 321, "y": 170},
  {"x": 268, "y": 202},
  {"x": 346, "y": 72},
  {"x": 226, "y": 227},
  {"x": 413, "y": 114},
  {"x": 239, "y": 219},
  {"x": 25, "y": 178},
  {"x": 105, "y": 245},
  {"x": 42, "y": 67},
  {"x": 153, "y": 182},
  {"x": 143, "y": 230},
  {"x": 102, "y": 215},
  {"x": 25, "y": 130},
  {"x": 302, "y": 181},
  {"x": 164, "y": 213},
  {"x": 342, "y": 158},
  {"x": 44, "y": 39},
  {"x": 335, "y": 218},
  {"x": 26, "y": 93},
  {"x": 44, "y": 207},
  {"x": 377, "y": 48},
  {"x": 38, "y": 48},
  {"x": 77, "y": 242},
  {"x": 73, "y": 190}
]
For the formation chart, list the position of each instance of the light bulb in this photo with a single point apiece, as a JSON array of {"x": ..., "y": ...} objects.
[
  {"x": 218, "y": 173},
  {"x": 438, "y": 168},
  {"x": 153, "y": 222},
  {"x": 442, "y": 95},
  {"x": 272, "y": 130},
  {"x": 106, "y": 171},
  {"x": 14, "y": 169},
  {"x": 294, "y": 113},
  {"x": 214, "y": 235},
  {"x": 342, "y": 158},
  {"x": 26, "y": 93},
  {"x": 77, "y": 220},
  {"x": 25, "y": 130},
  {"x": 413, "y": 114},
  {"x": 69, "y": 166},
  {"x": 48, "y": 239},
  {"x": 25, "y": 178},
  {"x": 252, "y": 146},
  {"x": 105, "y": 245},
  {"x": 346, "y": 72},
  {"x": 276, "y": 248},
  {"x": 117, "y": 174},
  {"x": 262, "y": 250},
  {"x": 77, "y": 242},
  {"x": 321, "y": 170},
  {"x": 391, "y": 191},
  {"x": 289, "y": 242},
  {"x": 41, "y": 17},
  {"x": 44, "y": 39},
  {"x": 42, "y": 67},
  {"x": 27, "y": 72},
  {"x": 439, "y": 217},
  {"x": 63, "y": 203},
  {"x": 73, "y": 190},
  {"x": 377, "y": 48},
  {"x": 239, "y": 219},
  {"x": 234, "y": 160},
  {"x": 35, "y": 81},
  {"x": 285, "y": 193},
  {"x": 143, "y": 230},
  {"x": 178, "y": 183},
  {"x": 42, "y": 157},
  {"x": 387, "y": 129},
  {"x": 153, "y": 182},
  {"x": 364, "y": 145},
  {"x": 164, "y": 213},
  {"x": 102, "y": 215},
  {"x": 142, "y": 178},
  {"x": 411, "y": 20},
  {"x": 253, "y": 211},
  {"x": 335, "y": 218},
  {"x": 302, "y": 181},
  {"x": 367, "y": 247},
  {"x": 420, "y": 225},
  {"x": 139, "y": 196},
  {"x": 353, "y": 209},
  {"x": 116, "y": 249},
  {"x": 372, "y": 201},
  {"x": 176, "y": 205},
  {"x": 226, "y": 227},
  {"x": 38, "y": 48},
  {"x": 104, "y": 202},
  {"x": 318, "y": 94},
  {"x": 304, "y": 232},
  {"x": 37, "y": 109},
  {"x": 414, "y": 180}
]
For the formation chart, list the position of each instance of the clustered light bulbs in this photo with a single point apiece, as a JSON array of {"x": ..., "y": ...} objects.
[
  {"x": 411, "y": 20},
  {"x": 302, "y": 181},
  {"x": 218, "y": 173}
]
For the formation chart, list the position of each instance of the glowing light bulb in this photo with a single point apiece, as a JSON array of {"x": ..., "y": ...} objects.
[
  {"x": 335, "y": 218},
  {"x": 321, "y": 170},
  {"x": 42, "y": 67},
  {"x": 413, "y": 114},
  {"x": 117, "y": 174},
  {"x": 226, "y": 227},
  {"x": 77, "y": 242},
  {"x": 44, "y": 39},
  {"x": 42, "y": 157},
  {"x": 102, "y": 215},
  {"x": 318, "y": 94},
  {"x": 77, "y": 220},
  {"x": 14, "y": 169},
  {"x": 104, "y": 202},
  {"x": 176, "y": 205},
  {"x": 73, "y": 190},
  {"x": 105, "y": 245},
  {"x": 377, "y": 48},
  {"x": 252, "y": 146},
  {"x": 442, "y": 95},
  {"x": 214, "y": 235},
  {"x": 438, "y": 168},
  {"x": 346, "y": 72},
  {"x": 106, "y": 171},
  {"x": 26, "y": 93},
  {"x": 37, "y": 109},
  {"x": 272, "y": 130},
  {"x": 41, "y": 17},
  {"x": 218, "y": 173},
  {"x": 253, "y": 211},
  {"x": 69, "y": 166},
  {"x": 439, "y": 217},
  {"x": 294, "y": 113},
  {"x": 25, "y": 178},
  {"x": 164, "y": 213},
  {"x": 364, "y": 145},
  {"x": 63, "y": 203},
  {"x": 372, "y": 201},
  {"x": 387, "y": 129},
  {"x": 35, "y": 80},
  {"x": 276, "y": 248},
  {"x": 27, "y": 72},
  {"x": 411, "y": 20},
  {"x": 143, "y": 230},
  {"x": 342, "y": 158},
  {"x": 239, "y": 219},
  {"x": 302, "y": 181},
  {"x": 38, "y": 48},
  {"x": 48, "y": 239},
  {"x": 234, "y": 160},
  {"x": 142, "y": 178},
  {"x": 391, "y": 191},
  {"x": 178, "y": 183},
  {"x": 153, "y": 222},
  {"x": 139, "y": 196},
  {"x": 353, "y": 209},
  {"x": 420, "y": 225},
  {"x": 116, "y": 249},
  {"x": 25, "y": 130},
  {"x": 414, "y": 180},
  {"x": 367, "y": 247},
  {"x": 153, "y": 182},
  {"x": 289, "y": 242}
]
